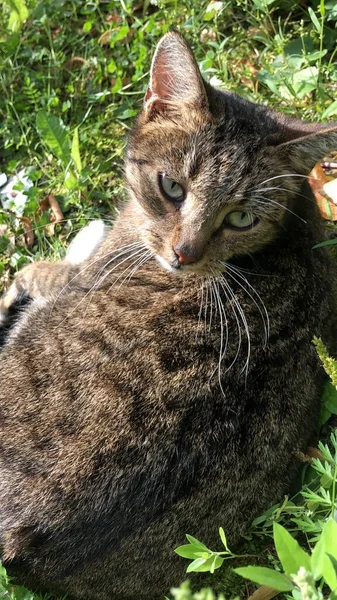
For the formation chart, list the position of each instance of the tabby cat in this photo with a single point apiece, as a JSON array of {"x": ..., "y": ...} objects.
[{"x": 165, "y": 385}]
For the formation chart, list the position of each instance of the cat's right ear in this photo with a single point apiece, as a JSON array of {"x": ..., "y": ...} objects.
[{"x": 175, "y": 78}]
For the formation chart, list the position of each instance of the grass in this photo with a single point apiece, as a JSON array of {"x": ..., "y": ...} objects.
[{"x": 72, "y": 78}]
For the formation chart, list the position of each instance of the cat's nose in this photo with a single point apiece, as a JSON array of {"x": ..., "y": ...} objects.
[{"x": 184, "y": 255}]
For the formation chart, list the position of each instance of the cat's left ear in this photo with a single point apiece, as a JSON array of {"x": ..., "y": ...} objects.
[
  {"x": 305, "y": 144},
  {"x": 175, "y": 77}
]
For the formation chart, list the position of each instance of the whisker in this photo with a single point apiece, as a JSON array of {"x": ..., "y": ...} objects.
[
  {"x": 218, "y": 301},
  {"x": 245, "y": 324},
  {"x": 211, "y": 304},
  {"x": 206, "y": 309},
  {"x": 280, "y": 205},
  {"x": 284, "y": 175},
  {"x": 263, "y": 312},
  {"x": 137, "y": 264},
  {"x": 280, "y": 189},
  {"x": 226, "y": 287},
  {"x": 200, "y": 309},
  {"x": 81, "y": 271},
  {"x": 95, "y": 286},
  {"x": 125, "y": 250},
  {"x": 223, "y": 320}
]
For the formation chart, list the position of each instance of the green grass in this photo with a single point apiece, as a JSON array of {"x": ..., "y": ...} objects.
[{"x": 82, "y": 67}]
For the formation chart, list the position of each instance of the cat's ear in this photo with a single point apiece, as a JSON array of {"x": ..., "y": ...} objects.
[
  {"x": 305, "y": 144},
  {"x": 175, "y": 77}
]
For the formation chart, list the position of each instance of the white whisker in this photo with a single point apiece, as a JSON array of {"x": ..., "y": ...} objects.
[
  {"x": 255, "y": 197},
  {"x": 263, "y": 311},
  {"x": 284, "y": 175},
  {"x": 245, "y": 324},
  {"x": 223, "y": 320},
  {"x": 200, "y": 309}
]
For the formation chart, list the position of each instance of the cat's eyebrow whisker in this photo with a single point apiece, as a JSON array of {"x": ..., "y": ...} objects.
[
  {"x": 257, "y": 198},
  {"x": 280, "y": 189},
  {"x": 284, "y": 175},
  {"x": 263, "y": 312}
]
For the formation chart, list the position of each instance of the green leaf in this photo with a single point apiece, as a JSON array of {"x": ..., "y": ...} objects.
[
  {"x": 333, "y": 561},
  {"x": 54, "y": 134},
  {"x": 264, "y": 576},
  {"x": 317, "y": 559},
  {"x": 203, "y": 565},
  {"x": 75, "y": 151},
  {"x": 331, "y": 110},
  {"x": 223, "y": 537},
  {"x": 196, "y": 542},
  {"x": 18, "y": 15},
  {"x": 290, "y": 553},
  {"x": 195, "y": 565},
  {"x": 326, "y": 243},
  {"x": 217, "y": 563},
  {"x": 314, "y": 19},
  {"x": 322, "y": 8},
  {"x": 329, "y": 536},
  {"x": 329, "y": 397},
  {"x": 188, "y": 551}
]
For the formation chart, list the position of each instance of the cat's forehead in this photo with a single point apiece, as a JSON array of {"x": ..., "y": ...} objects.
[{"x": 192, "y": 149}]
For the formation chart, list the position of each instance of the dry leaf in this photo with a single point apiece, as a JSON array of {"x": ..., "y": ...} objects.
[
  {"x": 76, "y": 62},
  {"x": 29, "y": 233},
  {"x": 318, "y": 180},
  {"x": 57, "y": 214},
  {"x": 330, "y": 189},
  {"x": 309, "y": 455},
  {"x": 264, "y": 593}
]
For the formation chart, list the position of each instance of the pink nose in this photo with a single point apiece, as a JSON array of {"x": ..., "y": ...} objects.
[{"x": 184, "y": 258}]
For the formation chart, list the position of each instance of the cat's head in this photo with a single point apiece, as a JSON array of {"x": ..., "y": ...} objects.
[{"x": 211, "y": 175}]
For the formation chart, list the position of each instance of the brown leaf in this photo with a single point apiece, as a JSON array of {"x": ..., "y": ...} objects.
[
  {"x": 113, "y": 19},
  {"x": 57, "y": 214},
  {"x": 330, "y": 189},
  {"x": 29, "y": 233},
  {"x": 104, "y": 39},
  {"x": 309, "y": 455},
  {"x": 264, "y": 593},
  {"x": 318, "y": 179},
  {"x": 76, "y": 62}
]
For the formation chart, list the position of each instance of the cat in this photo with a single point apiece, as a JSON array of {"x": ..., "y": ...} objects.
[{"x": 165, "y": 385}]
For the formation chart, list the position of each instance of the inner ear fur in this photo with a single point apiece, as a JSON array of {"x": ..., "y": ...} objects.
[
  {"x": 305, "y": 144},
  {"x": 175, "y": 78}
]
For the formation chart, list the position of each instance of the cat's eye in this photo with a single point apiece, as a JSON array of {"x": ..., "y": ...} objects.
[
  {"x": 241, "y": 220},
  {"x": 170, "y": 188}
]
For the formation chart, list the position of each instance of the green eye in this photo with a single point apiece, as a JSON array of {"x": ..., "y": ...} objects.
[
  {"x": 170, "y": 188},
  {"x": 241, "y": 220}
]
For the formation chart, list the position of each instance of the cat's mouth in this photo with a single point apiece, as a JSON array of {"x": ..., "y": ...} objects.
[{"x": 200, "y": 267}]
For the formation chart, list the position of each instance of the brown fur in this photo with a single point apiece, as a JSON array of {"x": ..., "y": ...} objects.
[{"x": 120, "y": 432}]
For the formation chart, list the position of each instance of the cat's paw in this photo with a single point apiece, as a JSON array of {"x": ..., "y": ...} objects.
[
  {"x": 28, "y": 283},
  {"x": 87, "y": 241},
  {"x": 10, "y": 298}
]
